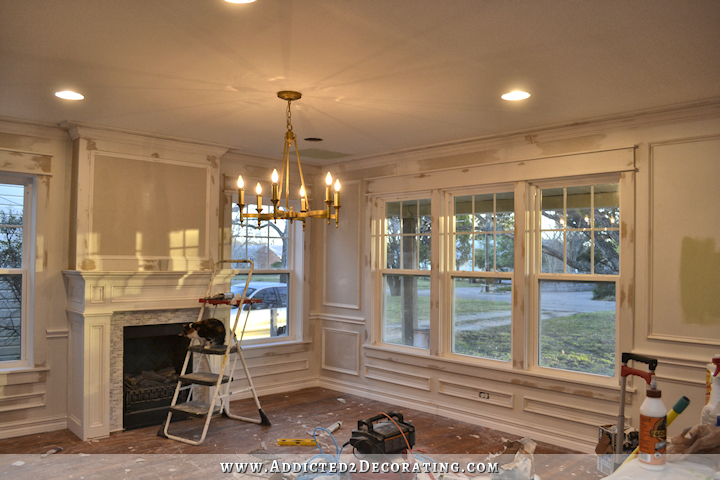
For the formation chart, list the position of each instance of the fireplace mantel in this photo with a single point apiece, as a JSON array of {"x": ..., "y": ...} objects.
[{"x": 92, "y": 298}]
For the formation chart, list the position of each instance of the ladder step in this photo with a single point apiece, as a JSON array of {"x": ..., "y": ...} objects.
[
  {"x": 198, "y": 409},
  {"x": 218, "y": 350},
  {"x": 203, "y": 378}
]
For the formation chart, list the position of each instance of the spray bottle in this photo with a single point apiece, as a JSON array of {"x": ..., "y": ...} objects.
[
  {"x": 653, "y": 430},
  {"x": 711, "y": 411}
]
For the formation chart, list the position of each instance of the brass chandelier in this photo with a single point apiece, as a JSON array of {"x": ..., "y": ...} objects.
[{"x": 287, "y": 213}]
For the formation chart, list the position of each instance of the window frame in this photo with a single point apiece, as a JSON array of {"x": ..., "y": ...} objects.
[
  {"x": 27, "y": 269},
  {"x": 623, "y": 310},
  {"x": 294, "y": 270},
  {"x": 450, "y": 273},
  {"x": 379, "y": 253}
]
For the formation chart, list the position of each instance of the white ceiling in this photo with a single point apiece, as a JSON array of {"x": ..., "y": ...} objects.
[{"x": 377, "y": 76}]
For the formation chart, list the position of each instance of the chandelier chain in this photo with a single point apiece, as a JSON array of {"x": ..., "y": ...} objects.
[{"x": 289, "y": 117}]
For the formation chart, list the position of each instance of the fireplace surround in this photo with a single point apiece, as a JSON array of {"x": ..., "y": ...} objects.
[{"x": 100, "y": 305}]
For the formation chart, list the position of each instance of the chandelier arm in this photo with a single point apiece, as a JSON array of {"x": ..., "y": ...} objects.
[{"x": 302, "y": 179}]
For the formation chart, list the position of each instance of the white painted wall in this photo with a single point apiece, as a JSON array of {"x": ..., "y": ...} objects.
[{"x": 668, "y": 304}]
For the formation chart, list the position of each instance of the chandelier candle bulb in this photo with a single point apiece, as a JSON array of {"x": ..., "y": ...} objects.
[
  {"x": 337, "y": 193},
  {"x": 328, "y": 182},
  {"x": 275, "y": 194},
  {"x": 258, "y": 190},
  {"x": 241, "y": 191},
  {"x": 303, "y": 200}
]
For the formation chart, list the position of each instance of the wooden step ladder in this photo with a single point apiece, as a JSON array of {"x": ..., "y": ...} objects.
[{"x": 219, "y": 381}]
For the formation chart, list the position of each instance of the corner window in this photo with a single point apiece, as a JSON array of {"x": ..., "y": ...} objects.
[
  {"x": 405, "y": 278},
  {"x": 268, "y": 245},
  {"x": 14, "y": 260},
  {"x": 578, "y": 273},
  {"x": 483, "y": 236}
]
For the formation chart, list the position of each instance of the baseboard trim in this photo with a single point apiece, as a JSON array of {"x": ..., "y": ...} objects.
[
  {"x": 32, "y": 427},
  {"x": 506, "y": 424}
]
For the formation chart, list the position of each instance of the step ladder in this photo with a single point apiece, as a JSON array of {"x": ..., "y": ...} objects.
[{"x": 220, "y": 402}]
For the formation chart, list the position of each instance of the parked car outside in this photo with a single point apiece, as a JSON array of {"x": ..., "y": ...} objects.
[{"x": 268, "y": 318}]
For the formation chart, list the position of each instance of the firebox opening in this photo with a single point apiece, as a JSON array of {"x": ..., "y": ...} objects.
[{"x": 153, "y": 357}]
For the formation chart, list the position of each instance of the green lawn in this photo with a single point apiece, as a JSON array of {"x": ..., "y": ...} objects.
[
  {"x": 463, "y": 306},
  {"x": 583, "y": 342}
]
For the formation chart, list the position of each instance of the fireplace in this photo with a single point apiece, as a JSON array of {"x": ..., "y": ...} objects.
[
  {"x": 153, "y": 357},
  {"x": 100, "y": 306}
]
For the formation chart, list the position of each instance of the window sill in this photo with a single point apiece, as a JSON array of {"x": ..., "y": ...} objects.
[
  {"x": 22, "y": 369},
  {"x": 606, "y": 383},
  {"x": 288, "y": 343}
]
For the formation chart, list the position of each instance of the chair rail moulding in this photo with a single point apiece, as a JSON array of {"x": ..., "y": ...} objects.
[
  {"x": 143, "y": 203},
  {"x": 92, "y": 298}
]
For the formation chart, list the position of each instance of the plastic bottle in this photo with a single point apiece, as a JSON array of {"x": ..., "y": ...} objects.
[
  {"x": 653, "y": 431},
  {"x": 709, "y": 371},
  {"x": 711, "y": 411}
]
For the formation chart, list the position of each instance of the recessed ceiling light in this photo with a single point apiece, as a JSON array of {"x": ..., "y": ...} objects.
[
  {"x": 313, "y": 139},
  {"x": 239, "y": 1},
  {"x": 515, "y": 95},
  {"x": 69, "y": 95}
]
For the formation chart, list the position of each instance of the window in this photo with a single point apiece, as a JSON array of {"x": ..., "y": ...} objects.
[
  {"x": 405, "y": 278},
  {"x": 14, "y": 260},
  {"x": 268, "y": 245},
  {"x": 483, "y": 236},
  {"x": 579, "y": 266}
]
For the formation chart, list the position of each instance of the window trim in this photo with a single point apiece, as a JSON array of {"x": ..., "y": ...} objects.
[{"x": 27, "y": 271}]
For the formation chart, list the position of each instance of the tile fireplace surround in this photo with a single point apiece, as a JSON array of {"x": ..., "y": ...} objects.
[{"x": 100, "y": 304}]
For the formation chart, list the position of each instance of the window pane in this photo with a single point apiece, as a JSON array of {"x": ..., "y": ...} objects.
[
  {"x": 552, "y": 252},
  {"x": 578, "y": 207},
  {"x": 11, "y": 222},
  {"x": 484, "y": 252},
  {"x": 464, "y": 252},
  {"x": 406, "y": 310},
  {"x": 481, "y": 317},
  {"x": 607, "y": 252},
  {"x": 425, "y": 216},
  {"x": 393, "y": 251},
  {"x": 392, "y": 214},
  {"x": 266, "y": 319},
  {"x": 577, "y": 326},
  {"x": 484, "y": 213},
  {"x": 278, "y": 249},
  {"x": 409, "y": 252},
  {"x": 424, "y": 252},
  {"x": 10, "y": 317},
  {"x": 607, "y": 206},
  {"x": 410, "y": 217},
  {"x": 552, "y": 209},
  {"x": 578, "y": 251},
  {"x": 505, "y": 251},
  {"x": 505, "y": 211},
  {"x": 463, "y": 214},
  {"x": 257, "y": 251}
]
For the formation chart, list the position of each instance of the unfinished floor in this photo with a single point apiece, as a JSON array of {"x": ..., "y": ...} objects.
[{"x": 293, "y": 415}]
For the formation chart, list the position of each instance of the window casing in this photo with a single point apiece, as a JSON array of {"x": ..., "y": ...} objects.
[{"x": 16, "y": 236}]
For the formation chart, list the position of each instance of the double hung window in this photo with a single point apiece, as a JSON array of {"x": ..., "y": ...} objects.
[
  {"x": 564, "y": 314},
  {"x": 578, "y": 269},
  {"x": 405, "y": 276},
  {"x": 483, "y": 237},
  {"x": 14, "y": 260},
  {"x": 269, "y": 245}
]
